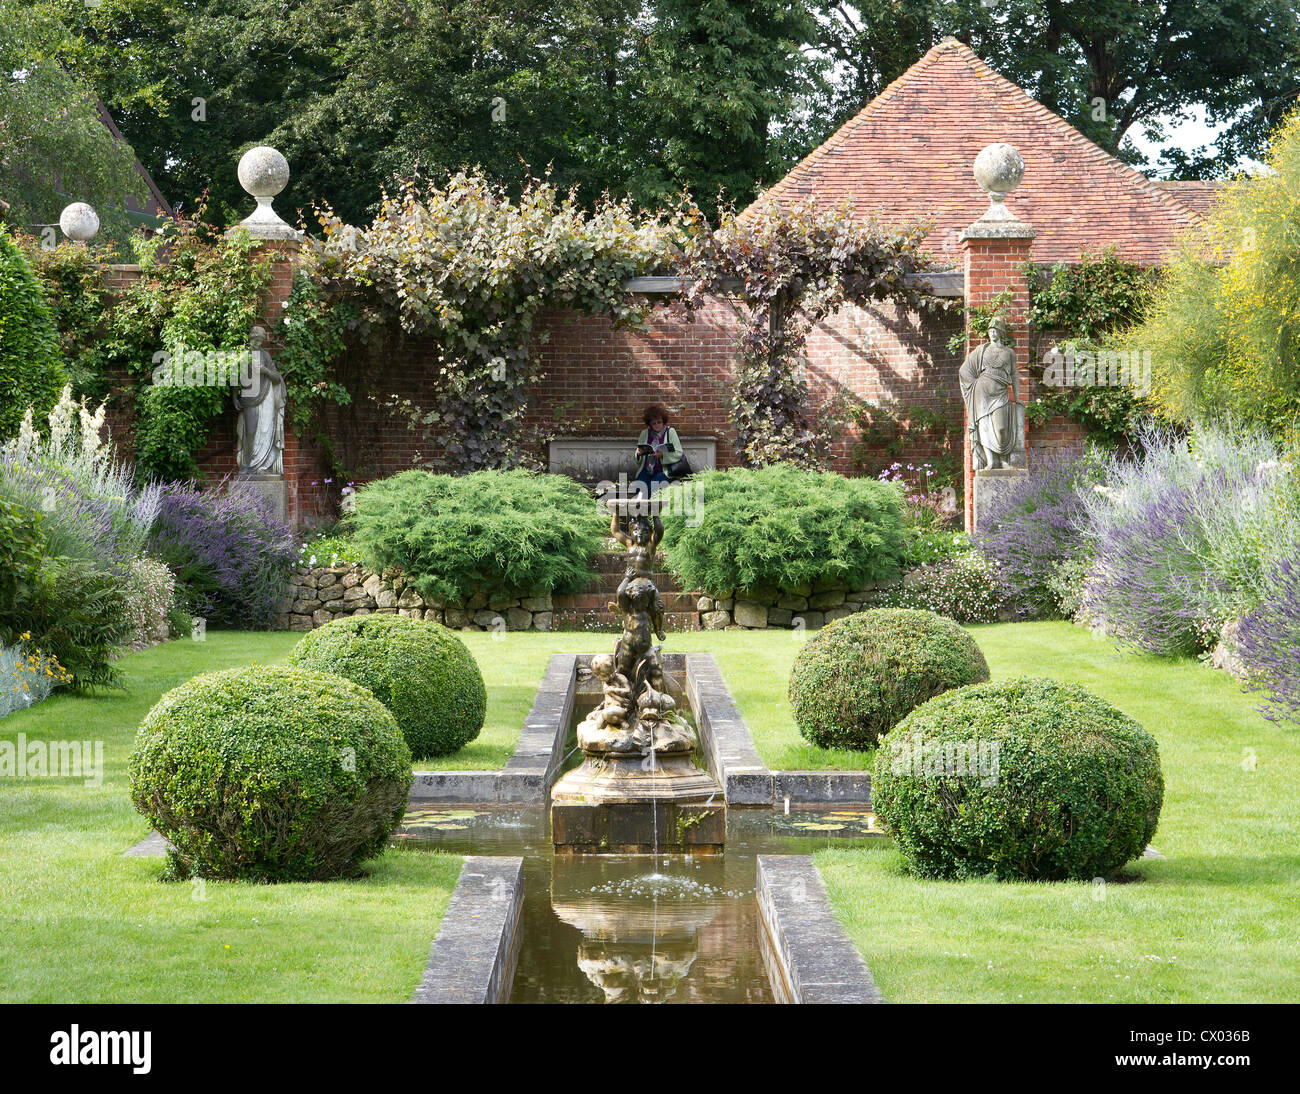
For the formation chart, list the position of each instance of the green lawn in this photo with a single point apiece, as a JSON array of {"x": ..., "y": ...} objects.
[
  {"x": 84, "y": 924},
  {"x": 1218, "y": 919}
]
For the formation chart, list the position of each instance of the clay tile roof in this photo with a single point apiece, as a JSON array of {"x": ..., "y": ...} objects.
[
  {"x": 1196, "y": 195},
  {"x": 907, "y": 156}
]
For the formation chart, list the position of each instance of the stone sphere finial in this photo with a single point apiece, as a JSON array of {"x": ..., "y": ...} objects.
[
  {"x": 999, "y": 169},
  {"x": 79, "y": 222},
  {"x": 264, "y": 173}
]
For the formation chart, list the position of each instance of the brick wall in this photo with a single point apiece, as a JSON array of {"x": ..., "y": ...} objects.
[{"x": 597, "y": 380}]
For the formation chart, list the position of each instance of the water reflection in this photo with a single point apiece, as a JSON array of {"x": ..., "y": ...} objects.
[{"x": 637, "y": 928}]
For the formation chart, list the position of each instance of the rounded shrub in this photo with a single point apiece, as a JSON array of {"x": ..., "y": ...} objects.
[
  {"x": 854, "y": 681},
  {"x": 419, "y": 670},
  {"x": 1025, "y": 779},
  {"x": 270, "y": 774}
]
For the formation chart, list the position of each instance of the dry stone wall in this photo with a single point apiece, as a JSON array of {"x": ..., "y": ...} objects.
[{"x": 324, "y": 593}]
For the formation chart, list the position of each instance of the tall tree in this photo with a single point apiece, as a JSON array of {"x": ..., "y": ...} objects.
[
  {"x": 53, "y": 147},
  {"x": 1110, "y": 67}
]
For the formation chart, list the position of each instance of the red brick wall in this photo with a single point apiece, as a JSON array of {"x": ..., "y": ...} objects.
[{"x": 597, "y": 380}]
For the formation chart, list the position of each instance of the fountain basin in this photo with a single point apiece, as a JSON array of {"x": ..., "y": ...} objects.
[{"x": 630, "y": 805}]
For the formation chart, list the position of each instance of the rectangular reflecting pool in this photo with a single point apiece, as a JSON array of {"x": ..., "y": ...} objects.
[{"x": 637, "y": 928}]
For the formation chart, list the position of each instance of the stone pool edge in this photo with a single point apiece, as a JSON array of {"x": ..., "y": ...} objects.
[
  {"x": 809, "y": 956},
  {"x": 724, "y": 737},
  {"x": 474, "y": 957}
]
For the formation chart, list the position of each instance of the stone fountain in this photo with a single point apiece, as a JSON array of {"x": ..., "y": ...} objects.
[{"x": 638, "y": 789}]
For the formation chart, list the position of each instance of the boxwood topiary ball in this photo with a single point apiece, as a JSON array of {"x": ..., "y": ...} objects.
[
  {"x": 270, "y": 774},
  {"x": 860, "y": 675},
  {"x": 419, "y": 670},
  {"x": 1027, "y": 779}
]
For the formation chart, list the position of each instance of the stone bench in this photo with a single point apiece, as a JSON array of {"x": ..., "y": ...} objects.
[{"x": 597, "y": 459}]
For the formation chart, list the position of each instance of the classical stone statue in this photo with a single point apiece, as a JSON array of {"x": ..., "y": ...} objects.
[
  {"x": 260, "y": 446},
  {"x": 995, "y": 419}
]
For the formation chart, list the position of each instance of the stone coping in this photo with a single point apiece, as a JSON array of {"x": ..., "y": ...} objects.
[
  {"x": 474, "y": 957},
  {"x": 725, "y": 740},
  {"x": 809, "y": 957},
  {"x": 528, "y": 774}
]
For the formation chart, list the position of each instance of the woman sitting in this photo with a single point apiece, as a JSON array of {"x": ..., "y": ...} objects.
[{"x": 657, "y": 448}]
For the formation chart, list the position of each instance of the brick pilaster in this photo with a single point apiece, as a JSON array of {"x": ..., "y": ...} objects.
[{"x": 995, "y": 253}]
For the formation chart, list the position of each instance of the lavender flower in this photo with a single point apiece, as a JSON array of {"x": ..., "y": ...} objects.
[{"x": 227, "y": 550}]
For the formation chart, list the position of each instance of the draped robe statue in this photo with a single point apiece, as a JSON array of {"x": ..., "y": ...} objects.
[
  {"x": 994, "y": 418},
  {"x": 260, "y": 447}
]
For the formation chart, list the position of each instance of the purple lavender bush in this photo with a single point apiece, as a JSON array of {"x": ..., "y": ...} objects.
[
  {"x": 1035, "y": 524},
  {"x": 1268, "y": 642},
  {"x": 230, "y": 554},
  {"x": 1184, "y": 536}
]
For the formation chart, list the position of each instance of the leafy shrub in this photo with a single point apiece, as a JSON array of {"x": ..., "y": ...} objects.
[
  {"x": 270, "y": 774},
  {"x": 151, "y": 595},
  {"x": 1184, "y": 537},
  {"x": 79, "y": 614},
  {"x": 1066, "y": 786},
  {"x": 1268, "y": 641},
  {"x": 1224, "y": 332},
  {"x": 783, "y": 527},
  {"x": 419, "y": 670},
  {"x": 853, "y": 682},
  {"x": 31, "y": 367},
  {"x": 20, "y": 562},
  {"x": 502, "y": 532},
  {"x": 230, "y": 554},
  {"x": 967, "y": 588},
  {"x": 327, "y": 549},
  {"x": 937, "y": 546},
  {"x": 1035, "y": 523}
]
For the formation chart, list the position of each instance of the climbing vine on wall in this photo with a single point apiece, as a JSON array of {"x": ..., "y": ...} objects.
[
  {"x": 1092, "y": 302},
  {"x": 793, "y": 266},
  {"x": 469, "y": 266}
]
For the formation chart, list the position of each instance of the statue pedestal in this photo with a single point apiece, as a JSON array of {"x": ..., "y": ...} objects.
[
  {"x": 625, "y": 805},
  {"x": 989, "y": 485},
  {"x": 274, "y": 489}
]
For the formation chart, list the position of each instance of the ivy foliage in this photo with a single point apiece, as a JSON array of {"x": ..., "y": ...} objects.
[
  {"x": 792, "y": 266},
  {"x": 469, "y": 266},
  {"x": 1095, "y": 303},
  {"x": 72, "y": 279},
  {"x": 199, "y": 289},
  {"x": 31, "y": 367}
]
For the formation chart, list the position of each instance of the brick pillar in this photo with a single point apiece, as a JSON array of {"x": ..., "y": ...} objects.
[
  {"x": 300, "y": 460},
  {"x": 995, "y": 251}
]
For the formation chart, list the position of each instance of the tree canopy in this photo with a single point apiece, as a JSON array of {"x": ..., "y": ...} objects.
[{"x": 53, "y": 147}]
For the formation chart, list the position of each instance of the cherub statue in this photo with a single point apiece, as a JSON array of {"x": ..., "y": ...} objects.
[
  {"x": 643, "y": 615},
  {"x": 611, "y": 727}
]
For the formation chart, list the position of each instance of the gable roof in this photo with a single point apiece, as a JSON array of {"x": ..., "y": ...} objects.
[{"x": 908, "y": 155}]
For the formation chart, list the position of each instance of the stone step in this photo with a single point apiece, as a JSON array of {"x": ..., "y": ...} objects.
[
  {"x": 664, "y": 582},
  {"x": 575, "y": 619},
  {"x": 615, "y": 562},
  {"x": 597, "y": 601}
]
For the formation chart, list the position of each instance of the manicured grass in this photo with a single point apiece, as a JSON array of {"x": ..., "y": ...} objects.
[
  {"x": 82, "y": 923},
  {"x": 1218, "y": 919}
]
